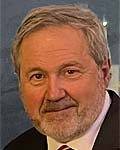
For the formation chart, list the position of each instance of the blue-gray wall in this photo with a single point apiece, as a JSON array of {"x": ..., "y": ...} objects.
[{"x": 13, "y": 118}]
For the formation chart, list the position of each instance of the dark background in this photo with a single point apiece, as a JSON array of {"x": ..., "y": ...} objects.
[{"x": 13, "y": 117}]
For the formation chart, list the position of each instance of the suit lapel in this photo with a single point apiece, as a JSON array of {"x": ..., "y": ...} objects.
[{"x": 108, "y": 137}]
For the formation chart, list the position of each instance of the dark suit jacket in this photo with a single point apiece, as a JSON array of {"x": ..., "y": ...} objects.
[{"x": 107, "y": 139}]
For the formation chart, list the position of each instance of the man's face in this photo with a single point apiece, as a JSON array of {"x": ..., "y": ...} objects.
[{"x": 61, "y": 86}]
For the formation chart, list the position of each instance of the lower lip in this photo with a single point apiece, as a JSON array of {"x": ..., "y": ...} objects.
[
  {"x": 62, "y": 110},
  {"x": 59, "y": 116}
]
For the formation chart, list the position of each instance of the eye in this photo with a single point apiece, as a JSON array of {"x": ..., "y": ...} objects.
[
  {"x": 37, "y": 78},
  {"x": 72, "y": 73}
]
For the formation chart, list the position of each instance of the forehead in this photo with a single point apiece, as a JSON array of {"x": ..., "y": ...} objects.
[
  {"x": 51, "y": 37},
  {"x": 54, "y": 44}
]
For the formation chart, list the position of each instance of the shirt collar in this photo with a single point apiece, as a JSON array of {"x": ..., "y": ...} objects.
[{"x": 87, "y": 141}]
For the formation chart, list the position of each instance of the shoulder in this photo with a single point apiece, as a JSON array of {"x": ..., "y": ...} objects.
[
  {"x": 115, "y": 102},
  {"x": 110, "y": 127},
  {"x": 113, "y": 95},
  {"x": 30, "y": 139}
]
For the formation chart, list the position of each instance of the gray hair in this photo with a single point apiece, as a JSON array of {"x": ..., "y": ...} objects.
[{"x": 56, "y": 15}]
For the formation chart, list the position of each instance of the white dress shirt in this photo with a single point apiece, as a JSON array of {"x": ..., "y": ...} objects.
[{"x": 87, "y": 141}]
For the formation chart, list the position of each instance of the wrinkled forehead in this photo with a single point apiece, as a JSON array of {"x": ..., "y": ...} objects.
[
  {"x": 53, "y": 37},
  {"x": 53, "y": 45}
]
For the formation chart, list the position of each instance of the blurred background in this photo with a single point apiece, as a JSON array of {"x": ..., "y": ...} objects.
[{"x": 13, "y": 118}]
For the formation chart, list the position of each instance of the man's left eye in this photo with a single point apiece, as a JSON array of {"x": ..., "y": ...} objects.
[{"x": 72, "y": 73}]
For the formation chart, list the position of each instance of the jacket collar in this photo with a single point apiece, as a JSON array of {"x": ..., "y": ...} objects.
[{"x": 108, "y": 137}]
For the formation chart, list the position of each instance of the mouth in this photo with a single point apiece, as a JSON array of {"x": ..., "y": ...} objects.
[
  {"x": 58, "y": 109},
  {"x": 58, "y": 106}
]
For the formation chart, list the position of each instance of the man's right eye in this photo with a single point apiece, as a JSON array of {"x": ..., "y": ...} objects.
[{"x": 37, "y": 78}]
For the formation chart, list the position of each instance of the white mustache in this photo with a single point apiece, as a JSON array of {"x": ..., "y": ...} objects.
[{"x": 53, "y": 106}]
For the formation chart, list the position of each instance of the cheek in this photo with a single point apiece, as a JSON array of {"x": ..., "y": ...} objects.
[
  {"x": 84, "y": 90},
  {"x": 32, "y": 98}
]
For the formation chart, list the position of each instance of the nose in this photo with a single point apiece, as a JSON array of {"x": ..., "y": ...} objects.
[{"x": 55, "y": 91}]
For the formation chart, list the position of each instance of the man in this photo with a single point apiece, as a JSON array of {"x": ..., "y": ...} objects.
[{"x": 63, "y": 63}]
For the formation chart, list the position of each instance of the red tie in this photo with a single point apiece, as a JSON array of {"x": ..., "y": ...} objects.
[{"x": 65, "y": 147}]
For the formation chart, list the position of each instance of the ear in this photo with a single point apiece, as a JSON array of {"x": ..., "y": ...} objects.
[{"x": 106, "y": 66}]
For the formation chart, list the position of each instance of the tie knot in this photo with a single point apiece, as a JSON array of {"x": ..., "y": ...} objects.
[{"x": 64, "y": 147}]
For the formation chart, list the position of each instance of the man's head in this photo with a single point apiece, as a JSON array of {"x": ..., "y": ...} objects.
[{"x": 61, "y": 56}]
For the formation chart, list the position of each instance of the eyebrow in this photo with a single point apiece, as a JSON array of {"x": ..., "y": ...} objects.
[
  {"x": 64, "y": 65},
  {"x": 34, "y": 69},
  {"x": 72, "y": 63}
]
